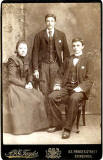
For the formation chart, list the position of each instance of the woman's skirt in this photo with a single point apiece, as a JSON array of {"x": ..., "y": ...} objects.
[{"x": 25, "y": 112}]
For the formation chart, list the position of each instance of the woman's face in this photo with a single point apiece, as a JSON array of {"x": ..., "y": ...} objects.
[{"x": 22, "y": 49}]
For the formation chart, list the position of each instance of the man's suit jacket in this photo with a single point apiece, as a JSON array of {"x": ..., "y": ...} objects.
[
  {"x": 40, "y": 47},
  {"x": 84, "y": 72}
]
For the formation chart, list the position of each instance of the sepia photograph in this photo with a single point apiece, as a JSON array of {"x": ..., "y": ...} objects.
[{"x": 51, "y": 76}]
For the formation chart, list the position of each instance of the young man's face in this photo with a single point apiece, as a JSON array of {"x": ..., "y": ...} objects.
[
  {"x": 77, "y": 47},
  {"x": 22, "y": 49},
  {"x": 50, "y": 23}
]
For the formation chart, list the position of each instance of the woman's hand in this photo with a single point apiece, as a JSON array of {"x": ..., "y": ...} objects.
[
  {"x": 57, "y": 87},
  {"x": 28, "y": 86}
]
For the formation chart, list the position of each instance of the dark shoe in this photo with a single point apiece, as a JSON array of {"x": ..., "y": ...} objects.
[
  {"x": 54, "y": 129},
  {"x": 65, "y": 134}
]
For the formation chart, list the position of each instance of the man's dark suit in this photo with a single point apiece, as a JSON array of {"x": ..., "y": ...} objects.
[
  {"x": 67, "y": 96},
  {"x": 41, "y": 56}
]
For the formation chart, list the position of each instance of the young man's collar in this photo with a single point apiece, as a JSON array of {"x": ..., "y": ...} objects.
[
  {"x": 77, "y": 55},
  {"x": 52, "y": 32}
]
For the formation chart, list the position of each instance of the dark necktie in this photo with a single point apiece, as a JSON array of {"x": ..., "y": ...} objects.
[
  {"x": 50, "y": 35},
  {"x": 50, "y": 44}
]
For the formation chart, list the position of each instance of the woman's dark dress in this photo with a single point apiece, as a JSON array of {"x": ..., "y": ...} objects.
[{"x": 26, "y": 111}]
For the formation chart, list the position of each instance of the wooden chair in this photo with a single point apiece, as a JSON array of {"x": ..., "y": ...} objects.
[{"x": 81, "y": 109}]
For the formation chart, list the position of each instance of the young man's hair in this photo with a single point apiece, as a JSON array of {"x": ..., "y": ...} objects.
[
  {"x": 50, "y": 15},
  {"x": 78, "y": 39}
]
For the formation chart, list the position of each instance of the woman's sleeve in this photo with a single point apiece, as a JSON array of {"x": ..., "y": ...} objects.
[
  {"x": 30, "y": 75},
  {"x": 12, "y": 69}
]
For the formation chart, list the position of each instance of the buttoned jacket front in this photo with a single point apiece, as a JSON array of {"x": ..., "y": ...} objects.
[
  {"x": 40, "y": 47},
  {"x": 84, "y": 72}
]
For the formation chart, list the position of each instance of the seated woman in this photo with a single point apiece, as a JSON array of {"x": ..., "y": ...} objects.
[{"x": 26, "y": 105}]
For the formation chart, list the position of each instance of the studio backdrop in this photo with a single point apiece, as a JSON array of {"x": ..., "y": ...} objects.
[{"x": 24, "y": 20}]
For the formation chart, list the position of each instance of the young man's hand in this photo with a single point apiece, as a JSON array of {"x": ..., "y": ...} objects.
[
  {"x": 78, "y": 89},
  {"x": 28, "y": 86},
  {"x": 36, "y": 74}
]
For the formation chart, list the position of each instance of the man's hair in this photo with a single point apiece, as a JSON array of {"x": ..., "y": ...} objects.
[
  {"x": 78, "y": 39},
  {"x": 50, "y": 15}
]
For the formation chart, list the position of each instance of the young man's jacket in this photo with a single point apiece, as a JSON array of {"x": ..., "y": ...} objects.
[
  {"x": 84, "y": 73},
  {"x": 40, "y": 47}
]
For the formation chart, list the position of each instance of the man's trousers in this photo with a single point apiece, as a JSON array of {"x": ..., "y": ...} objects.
[
  {"x": 71, "y": 101},
  {"x": 48, "y": 73}
]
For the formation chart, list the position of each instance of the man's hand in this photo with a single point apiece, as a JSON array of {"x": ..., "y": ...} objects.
[
  {"x": 28, "y": 86},
  {"x": 36, "y": 74},
  {"x": 57, "y": 87},
  {"x": 78, "y": 89}
]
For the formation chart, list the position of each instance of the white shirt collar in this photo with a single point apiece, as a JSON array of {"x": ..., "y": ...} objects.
[
  {"x": 77, "y": 55},
  {"x": 52, "y": 32},
  {"x": 75, "y": 61}
]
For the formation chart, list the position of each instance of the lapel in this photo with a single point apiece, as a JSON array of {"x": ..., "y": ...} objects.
[
  {"x": 56, "y": 38},
  {"x": 81, "y": 59},
  {"x": 46, "y": 36}
]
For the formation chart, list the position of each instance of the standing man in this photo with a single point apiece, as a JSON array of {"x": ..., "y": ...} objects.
[{"x": 49, "y": 46}]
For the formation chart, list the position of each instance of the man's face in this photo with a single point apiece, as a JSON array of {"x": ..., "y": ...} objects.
[
  {"x": 77, "y": 47},
  {"x": 50, "y": 23}
]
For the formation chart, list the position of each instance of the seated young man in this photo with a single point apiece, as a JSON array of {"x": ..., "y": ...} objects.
[{"x": 77, "y": 81}]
